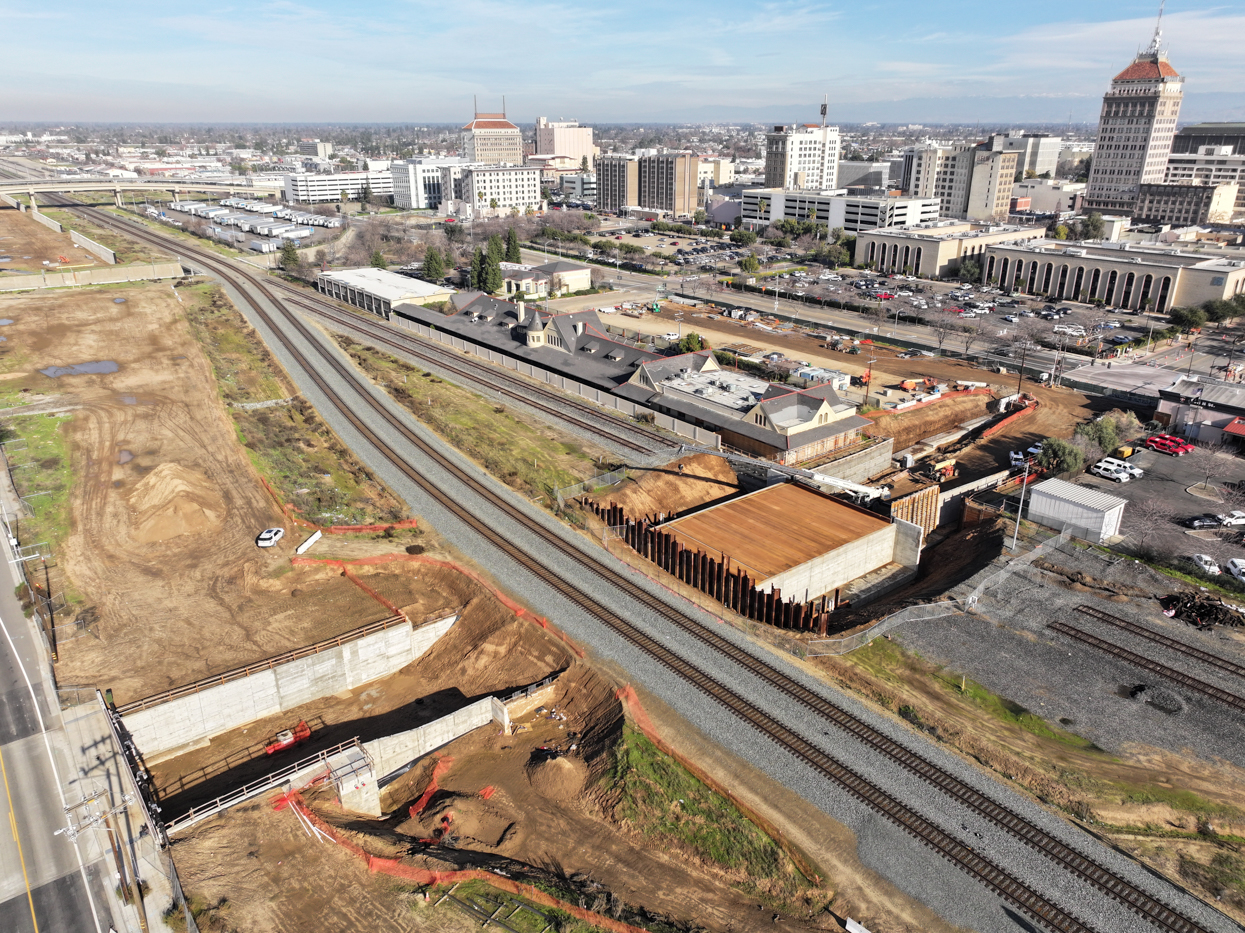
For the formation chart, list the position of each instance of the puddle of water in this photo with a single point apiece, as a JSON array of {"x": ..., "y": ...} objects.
[
  {"x": 118, "y": 301},
  {"x": 129, "y": 400},
  {"x": 5, "y": 320},
  {"x": 6, "y": 258},
  {"x": 80, "y": 369},
  {"x": 124, "y": 457}
]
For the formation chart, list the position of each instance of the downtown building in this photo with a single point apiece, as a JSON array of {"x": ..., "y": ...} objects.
[
  {"x": 310, "y": 188},
  {"x": 970, "y": 182},
  {"x": 417, "y": 183},
  {"x": 565, "y": 138},
  {"x": 491, "y": 139},
  {"x": 802, "y": 156},
  {"x": 760, "y": 207},
  {"x": 1135, "y": 131},
  {"x": 664, "y": 182}
]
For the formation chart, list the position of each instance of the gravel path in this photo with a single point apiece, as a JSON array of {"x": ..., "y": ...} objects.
[{"x": 882, "y": 846}]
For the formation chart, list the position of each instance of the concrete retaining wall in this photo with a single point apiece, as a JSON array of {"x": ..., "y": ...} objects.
[
  {"x": 836, "y": 568},
  {"x": 11, "y": 202},
  {"x": 103, "y": 252},
  {"x": 909, "y": 538},
  {"x": 393, "y": 753},
  {"x": 858, "y": 467},
  {"x": 47, "y": 222},
  {"x": 138, "y": 272},
  {"x": 199, "y": 716}
]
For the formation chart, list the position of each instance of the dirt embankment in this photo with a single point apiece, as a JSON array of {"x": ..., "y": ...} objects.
[{"x": 675, "y": 487}]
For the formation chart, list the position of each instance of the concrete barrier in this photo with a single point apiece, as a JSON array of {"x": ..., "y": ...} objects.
[
  {"x": 11, "y": 202},
  {"x": 196, "y": 717},
  {"x": 103, "y": 252},
  {"x": 394, "y": 755},
  {"x": 48, "y": 222},
  {"x": 138, "y": 272}
]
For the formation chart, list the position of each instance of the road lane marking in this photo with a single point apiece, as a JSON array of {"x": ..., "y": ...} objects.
[{"x": 30, "y": 898}]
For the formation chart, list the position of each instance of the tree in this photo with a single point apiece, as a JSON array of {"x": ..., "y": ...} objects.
[
  {"x": 969, "y": 335},
  {"x": 492, "y": 279},
  {"x": 1061, "y": 232},
  {"x": 691, "y": 343},
  {"x": 512, "y": 245},
  {"x": 289, "y": 256},
  {"x": 366, "y": 197},
  {"x": 1092, "y": 227},
  {"x": 496, "y": 249},
  {"x": 1059, "y": 456},
  {"x": 942, "y": 326},
  {"x": 970, "y": 270},
  {"x": 454, "y": 233},
  {"x": 699, "y": 216},
  {"x": 378, "y": 260},
  {"x": 434, "y": 265},
  {"x": 584, "y": 166},
  {"x": 476, "y": 276},
  {"x": 743, "y": 237},
  {"x": 1187, "y": 319},
  {"x": 750, "y": 264}
]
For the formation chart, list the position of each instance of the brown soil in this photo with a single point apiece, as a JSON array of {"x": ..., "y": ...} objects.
[
  {"x": 908, "y": 427},
  {"x": 669, "y": 489},
  {"x": 161, "y": 546},
  {"x": 21, "y": 236}
]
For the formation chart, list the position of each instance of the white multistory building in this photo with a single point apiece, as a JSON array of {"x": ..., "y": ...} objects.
[
  {"x": 764, "y": 206},
  {"x": 1135, "y": 131},
  {"x": 484, "y": 190},
  {"x": 802, "y": 156},
  {"x": 306, "y": 188},
  {"x": 491, "y": 139},
  {"x": 565, "y": 138},
  {"x": 417, "y": 182}
]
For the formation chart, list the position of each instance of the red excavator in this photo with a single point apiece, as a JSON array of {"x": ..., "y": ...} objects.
[{"x": 288, "y": 738}]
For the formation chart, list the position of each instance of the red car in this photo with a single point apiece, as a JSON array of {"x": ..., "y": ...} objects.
[
  {"x": 885, "y": 296},
  {"x": 1167, "y": 444}
]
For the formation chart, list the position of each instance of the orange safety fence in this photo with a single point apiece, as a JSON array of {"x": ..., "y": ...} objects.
[
  {"x": 640, "y": 719},
  {"x": 438, "y": 769},
  {"x": 962, "y": 393},
  {"x": 501, "y": 597},
  {"x": 396, "y": 869},
  {"x": 290, "y": 513},
  {"x": 1000, "y": 425}
]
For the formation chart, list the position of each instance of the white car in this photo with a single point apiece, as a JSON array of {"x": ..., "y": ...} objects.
[
  {"x": 1134, "y": 471},
  {"x": 1206, "y": 564},
  {"x": 1232, "y": 518},
  {"x": 1236, "y": 567},
  {"x": 672, "y": 336},
  {"x": 269, "y": 537},
  {"x": 1109, "y": 472}
]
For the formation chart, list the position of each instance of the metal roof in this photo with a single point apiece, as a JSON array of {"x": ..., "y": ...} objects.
[{"x": 1079, "y": 495}]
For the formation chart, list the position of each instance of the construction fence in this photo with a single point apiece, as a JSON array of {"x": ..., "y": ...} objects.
[{"x": 600, "y": 397}]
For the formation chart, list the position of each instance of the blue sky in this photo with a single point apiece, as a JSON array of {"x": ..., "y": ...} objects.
[{"x": 395, "y": 61}]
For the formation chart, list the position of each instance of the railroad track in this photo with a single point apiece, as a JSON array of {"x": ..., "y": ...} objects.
[
  {"x": 1173, "y": 643},
  {"x": 964, "y": 857},
  {"x": 555, "y": 406},
  {"x": 1154, "y": 667}
]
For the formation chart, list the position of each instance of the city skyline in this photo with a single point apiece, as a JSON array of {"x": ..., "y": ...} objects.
[{"x": 287, "y": 62}]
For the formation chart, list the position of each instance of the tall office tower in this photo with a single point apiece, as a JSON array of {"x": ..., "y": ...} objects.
[
  {"x": 1135, "y": 130},
  {"x": 565, "y": 138},
  {"x": 491, "y": 139},
  {"x": 802, "y": 156}
]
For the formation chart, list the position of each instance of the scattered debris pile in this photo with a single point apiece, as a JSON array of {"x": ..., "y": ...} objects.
[{"x": 1201, "y": 610}]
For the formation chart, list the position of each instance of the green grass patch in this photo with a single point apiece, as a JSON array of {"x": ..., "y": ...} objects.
[
  {"x": 289, "y": 444},
  {"x": 126, "y": 249},
  {"x": 662, "y": 800},
  {"x": 531, "y": 459},
  {"x": 1177, "y": 799},
  {"x": 43, "y": 474},
  {"x": 525, "y": 916}
]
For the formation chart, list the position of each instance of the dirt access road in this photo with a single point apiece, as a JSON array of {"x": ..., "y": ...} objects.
[
  {"x": 29, "y": 244},
  {"x": 166, "y": 505}
]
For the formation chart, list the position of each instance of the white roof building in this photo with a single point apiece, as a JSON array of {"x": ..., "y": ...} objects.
[{"x": 378, "y": 290}]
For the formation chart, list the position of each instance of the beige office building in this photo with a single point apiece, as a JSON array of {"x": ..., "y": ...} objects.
[
  {"x": 1121, "y": 275},
  {"x": 937, "y": 249},
  {"x": 1135, "y": 131},
  {"x": 1186, "y": 205},
  {"x": 618, "y": 182},
  {"x": 663, "y": 182},
  {"x": 491, "y": 139},
  {"x": 1209, "y": 165},
  {"x": 566, "y": 138},
  {"x": 802, "y": 156},
  {"x": 973, "y": 183}
]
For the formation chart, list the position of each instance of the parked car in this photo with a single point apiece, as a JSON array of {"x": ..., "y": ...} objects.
[
  {"x": 1202, "y": 521},
  {"x": 1135, "y": 472},
  {"x": 1232, "y": 518},
  {"x": 1206, "y": 564},
  {"x": 1114, "y": 474},
  {"x": 1236, "y": 567},
  {"x": 1167, "y": 444},
  {"x": 269, "y": 537}
]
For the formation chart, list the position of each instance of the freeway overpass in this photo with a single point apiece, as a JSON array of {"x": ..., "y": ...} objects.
[{"x": 175, "y": 186}]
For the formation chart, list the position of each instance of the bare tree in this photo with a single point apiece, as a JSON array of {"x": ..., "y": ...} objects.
[
  {"x": 942, "y": 325},
  {"x": 1209, "y": 460},
  {"x": 970, "y": 334}
]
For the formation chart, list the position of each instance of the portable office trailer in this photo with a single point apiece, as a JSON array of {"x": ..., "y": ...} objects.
[{"x": 1084, "y": 511}]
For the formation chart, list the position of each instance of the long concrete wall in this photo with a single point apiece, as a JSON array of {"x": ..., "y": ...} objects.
[
  {"x": 138, "y": 272},
  {"x": 47, "y": 222},
  {"x": 199, "y": 716},
  {"x": 835, "y": 568},
  {"x": 393, "y": 755},
  {"x": 10, "y": 201},
  {"x": 103, "y": 252}
]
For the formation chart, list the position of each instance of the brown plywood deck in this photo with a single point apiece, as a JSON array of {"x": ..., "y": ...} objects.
[{"x": 772, "y": 530}]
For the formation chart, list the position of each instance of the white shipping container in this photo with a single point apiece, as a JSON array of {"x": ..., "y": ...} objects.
[{"x": 1084, "y": 511}]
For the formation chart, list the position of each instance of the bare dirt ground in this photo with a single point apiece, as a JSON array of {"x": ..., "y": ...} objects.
[
  {"x": 165, "y": 505},
  {"x": 908, "y": 427},
  {"x": 674, "y": 487},
  {"x": 28, "y": 244}
]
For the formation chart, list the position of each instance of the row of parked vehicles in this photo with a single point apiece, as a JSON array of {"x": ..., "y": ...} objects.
[{"x": 1210, "y": 566}]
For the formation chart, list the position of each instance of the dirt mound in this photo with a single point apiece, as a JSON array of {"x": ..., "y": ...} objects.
[
  {"x": 675, "y": 487},
  {"x": 908, "y": 427},
  {"x": 174, "y": 500},
  {"x": 470, "y": 821},
  {"x": 558, "y": 778}
]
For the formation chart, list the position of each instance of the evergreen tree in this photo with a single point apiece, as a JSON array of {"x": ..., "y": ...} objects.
[
  {"x": 378, "y": 260},
  {"x": 434, "y": 265},
  {"x": 512, "y": 246},
  {"x": 477, "y": 269},
  {"x": 493, "y": 281},
  {"x": 289, "y": 255},
  {"x": 495, "y": 248}
]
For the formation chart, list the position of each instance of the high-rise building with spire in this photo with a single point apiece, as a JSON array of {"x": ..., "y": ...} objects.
[
  {"x": 1135, "y": 130},
  {"x": 491, "y": 139}
]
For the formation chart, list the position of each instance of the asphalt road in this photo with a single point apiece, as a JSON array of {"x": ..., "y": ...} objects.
[{"x": 43, "y": 885}]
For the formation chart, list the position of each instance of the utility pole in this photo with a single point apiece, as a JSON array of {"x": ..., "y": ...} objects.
[
  {"x": 1020, "y": 509},
  {"x": 1024, "y": 350}
]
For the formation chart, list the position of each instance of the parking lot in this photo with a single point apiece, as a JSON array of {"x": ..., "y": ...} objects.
[{"x": 1159, "y": 503}]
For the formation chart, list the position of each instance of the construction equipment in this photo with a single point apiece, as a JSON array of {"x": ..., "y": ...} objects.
[
  {"x": 288, "y": 738},
  {"x": 862, "y": 379},
  {"x": 908, "y": 385},
  {"x": 942, "y": 470}
]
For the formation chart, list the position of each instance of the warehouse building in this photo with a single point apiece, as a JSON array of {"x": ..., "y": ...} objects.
[
  {"x": 307, "y": 188},
  {"x": 378, "y": 290}
]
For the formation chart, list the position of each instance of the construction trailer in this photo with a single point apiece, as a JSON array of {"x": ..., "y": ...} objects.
[{"x": 1083, "y": 511}]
